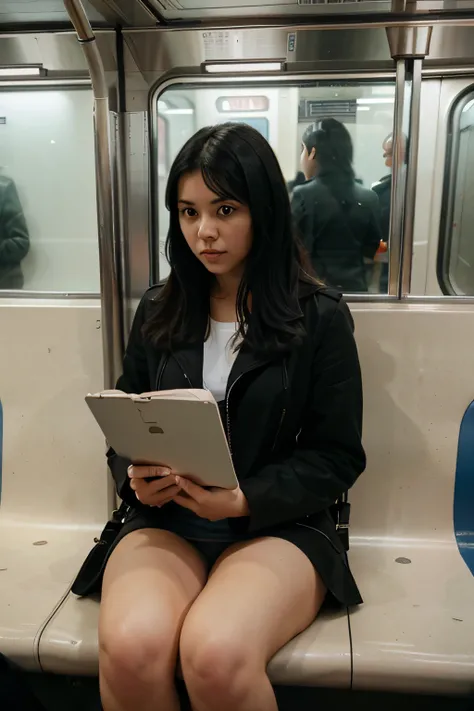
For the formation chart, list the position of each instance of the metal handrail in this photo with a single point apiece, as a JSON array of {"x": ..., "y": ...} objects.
[{"x": 109, "y": 244}]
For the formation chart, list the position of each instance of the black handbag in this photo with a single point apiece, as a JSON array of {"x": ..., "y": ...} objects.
[{"x": 89, "y": 578}]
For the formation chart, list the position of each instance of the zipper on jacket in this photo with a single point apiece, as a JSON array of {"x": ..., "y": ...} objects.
[
  {"x": 227, "y": 415},
  {"x": 184, "y": 373},
  {"x": 317, "y": 530}
]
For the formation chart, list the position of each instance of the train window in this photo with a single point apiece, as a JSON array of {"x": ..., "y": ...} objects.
[
  {"x": 456, "y": 255},
  {"x": 48, "y": 235},
  {"x": 333, "y": 144}
]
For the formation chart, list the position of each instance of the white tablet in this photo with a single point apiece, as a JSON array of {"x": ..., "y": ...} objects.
[{"x": 180, "y": 429}]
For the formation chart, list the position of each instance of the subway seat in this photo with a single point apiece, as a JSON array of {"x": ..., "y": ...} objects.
[
  {"x": 55, "y": 494},
  {"x": 415, "y": 631}
]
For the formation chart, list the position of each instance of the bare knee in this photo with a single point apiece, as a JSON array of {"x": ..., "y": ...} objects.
[
  {"x": 217, "y": 666},
  {"x": 138, "y": 654}
]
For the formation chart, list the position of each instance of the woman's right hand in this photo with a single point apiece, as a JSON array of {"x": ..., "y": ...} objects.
[{"x": 153, "y": 493}]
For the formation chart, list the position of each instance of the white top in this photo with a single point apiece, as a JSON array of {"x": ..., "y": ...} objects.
[{"x": 219, "y": 357}]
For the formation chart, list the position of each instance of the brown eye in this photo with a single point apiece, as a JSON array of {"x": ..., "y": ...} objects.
[
  {"x": 189, "y": 212},
  {"x": 226, "y": 210}
]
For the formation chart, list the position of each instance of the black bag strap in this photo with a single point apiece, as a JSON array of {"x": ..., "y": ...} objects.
[
  {"x": 89, "y": 577},
  {"x": 341, "y": 509}
]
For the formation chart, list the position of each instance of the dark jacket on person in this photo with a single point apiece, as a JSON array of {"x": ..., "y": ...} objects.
[
  {"x": 14, "y": 239},
  {"x": 383, "y": 190},
  {"x": 294, "y": 425},
  {"x": 338, "y": 236},
  {"x": 299, "y": 179}
]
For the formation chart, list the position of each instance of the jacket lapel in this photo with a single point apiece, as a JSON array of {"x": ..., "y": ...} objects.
[
  {"x": 190, "y": 360},
  {"x": 244, "y": 363}
]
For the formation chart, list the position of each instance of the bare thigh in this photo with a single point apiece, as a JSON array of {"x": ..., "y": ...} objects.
[
  {"x": 260, "y": 594},
  {"x": 150, "y": 581}
]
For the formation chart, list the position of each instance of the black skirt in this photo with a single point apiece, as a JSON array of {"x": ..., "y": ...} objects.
[{"x": 315, "y": 536}]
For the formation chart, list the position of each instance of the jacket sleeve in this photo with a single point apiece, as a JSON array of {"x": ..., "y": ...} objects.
[
  {"x": 329, "y": 455},
  {"x": 134, "y": 379},
  {"x": 300, "y": 218},
  {"x": 16, "y": 242},
  {"x": 374, "y": 232}
]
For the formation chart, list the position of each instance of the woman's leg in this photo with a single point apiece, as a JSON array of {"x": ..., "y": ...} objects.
[
  {"x": 150, "y": 582},
  {"x": 259, "y": 596}
]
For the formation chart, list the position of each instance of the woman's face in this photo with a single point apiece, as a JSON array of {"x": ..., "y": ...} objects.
[{"x": 219, "y": 232}]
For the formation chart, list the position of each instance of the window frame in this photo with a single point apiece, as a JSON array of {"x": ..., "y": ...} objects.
[
  {"x": 243, "y": 81},
  {"x": 47, "y": 85},
  {"x": 445, "y": 236}
]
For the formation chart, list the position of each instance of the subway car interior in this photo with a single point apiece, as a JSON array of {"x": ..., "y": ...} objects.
[{"x": 96, "y": 99}]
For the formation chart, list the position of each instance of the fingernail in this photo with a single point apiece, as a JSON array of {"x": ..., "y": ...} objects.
[
  {"x": 177, "y": 480},
  {"x": 136, "y": 494}
]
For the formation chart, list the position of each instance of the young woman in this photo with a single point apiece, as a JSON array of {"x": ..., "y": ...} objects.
[
  {"x": 226, "y": 578},
  {"x": 337, "y": 219}
]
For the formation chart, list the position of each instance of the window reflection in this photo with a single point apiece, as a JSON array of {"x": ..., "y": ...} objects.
[
  {"x": 341, "y": 220},
  {"x": 337, "y": 218},
  {"x": 48, "y": 210},
  {"x": 14, "y": 237}
]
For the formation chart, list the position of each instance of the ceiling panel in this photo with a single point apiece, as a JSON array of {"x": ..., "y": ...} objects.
[
  {"x": 324, "y": 9},
  {"x": 146, "y": 13},
  {"x": 44, "y": 12}
]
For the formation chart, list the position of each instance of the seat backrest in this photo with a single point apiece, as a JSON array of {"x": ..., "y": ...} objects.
[
  {"x": 54, "y": 469},
  {"x": 417, "y": 373}
]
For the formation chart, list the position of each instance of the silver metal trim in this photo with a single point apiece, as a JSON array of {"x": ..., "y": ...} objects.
[
  {"x": 372, "y": 298},
  {"x": 443, "y": 72},
  {"x": 398, "y": 182},
  {"x": 46, "y": 84},
  {"x": 295, "y": 25},
  {"x": 411, "y": 176},
  {"x": 27, "y": 294},
  {"x": 408, "y": 299},
  {"x": 287, "y": 77},
  {"x": 109, "y": 246},
  {"x": 412, "y": 299},
  {"x": 409, "y": 42},
  {"x": 121, "y": 203},
  {"x": 449, "y": 191}
]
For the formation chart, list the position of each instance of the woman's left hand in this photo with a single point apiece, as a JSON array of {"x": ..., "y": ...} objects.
[{"x": 214, "y": 503}]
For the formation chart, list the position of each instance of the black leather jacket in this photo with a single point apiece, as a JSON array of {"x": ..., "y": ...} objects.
[{"x": 295, "y": 422}]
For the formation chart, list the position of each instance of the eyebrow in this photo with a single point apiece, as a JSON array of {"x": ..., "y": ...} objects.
[{"x": 213, "y": 202}]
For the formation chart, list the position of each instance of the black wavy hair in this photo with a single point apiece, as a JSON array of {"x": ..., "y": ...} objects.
[
  {"x": 236, "y": 163},
  {"x": 334, "y": 155}
]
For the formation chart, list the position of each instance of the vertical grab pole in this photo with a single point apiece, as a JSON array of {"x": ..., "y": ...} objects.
[
  {"x": 412, "y": 169},
  {"x": 408, "y": 47},
  {"x": 397, "y": 198},
  {"x": 109, "y": 244}
]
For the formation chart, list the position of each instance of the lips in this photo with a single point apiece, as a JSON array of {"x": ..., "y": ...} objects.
[{"x": 211, "y": 252}]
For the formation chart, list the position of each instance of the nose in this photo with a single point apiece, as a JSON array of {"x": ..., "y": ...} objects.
[{"x": 208, "y": 229}]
